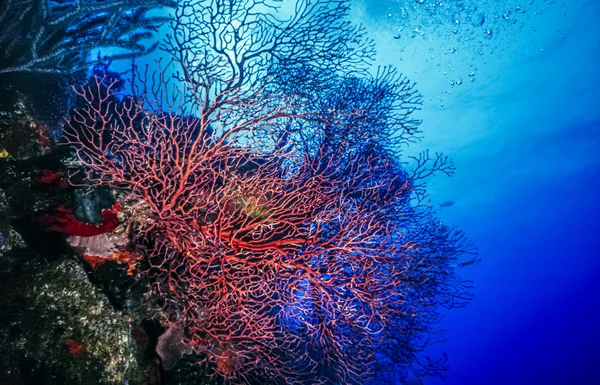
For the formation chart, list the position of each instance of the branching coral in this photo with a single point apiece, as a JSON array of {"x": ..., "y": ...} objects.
[
  {"x": 56, "y": 36},
  {"x": 285, "y": 239}
]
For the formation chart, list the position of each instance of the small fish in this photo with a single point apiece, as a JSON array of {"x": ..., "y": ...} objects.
[{"x": 446, "y": 204}]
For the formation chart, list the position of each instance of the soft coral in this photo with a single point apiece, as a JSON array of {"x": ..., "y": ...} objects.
[{"x": 65, "y": 222}]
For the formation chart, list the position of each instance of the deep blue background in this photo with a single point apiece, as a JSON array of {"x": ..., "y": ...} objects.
[{"x": 525, "y": 136}]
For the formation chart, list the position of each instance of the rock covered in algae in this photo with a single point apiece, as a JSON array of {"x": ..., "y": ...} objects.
[{"x": 57, "y": 329}]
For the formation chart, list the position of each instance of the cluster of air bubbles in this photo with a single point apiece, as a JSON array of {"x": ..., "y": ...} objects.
[
  {"x": 475, "y": 28},
  {"x": 466, "y": 21},
  {"x": 467, "y": 18}
]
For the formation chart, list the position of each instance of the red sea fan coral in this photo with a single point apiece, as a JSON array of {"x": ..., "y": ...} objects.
[
  {"x": 277, "y": 263},
  {"x": 281, "y": 236}
]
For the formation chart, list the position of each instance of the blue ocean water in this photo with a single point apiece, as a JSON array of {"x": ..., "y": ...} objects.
[{"x": 512, "y": 94}]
